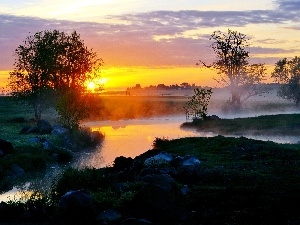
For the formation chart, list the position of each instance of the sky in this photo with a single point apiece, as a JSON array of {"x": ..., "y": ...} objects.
[{"x": 154, "y": 42}]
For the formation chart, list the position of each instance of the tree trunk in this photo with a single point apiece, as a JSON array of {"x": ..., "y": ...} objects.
[
  {"x": 235, "y": 99},
  {"x": 37, "y": 111}
]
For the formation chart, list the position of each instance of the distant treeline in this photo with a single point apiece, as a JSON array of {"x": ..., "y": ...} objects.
[{"x": 182, "y": 86}]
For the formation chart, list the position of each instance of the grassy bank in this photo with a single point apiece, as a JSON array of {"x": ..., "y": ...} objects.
[
  {"x": 29, "y": 152},
  {"x": 240, "y": 181},
  {"x": 281, "y": 124}
]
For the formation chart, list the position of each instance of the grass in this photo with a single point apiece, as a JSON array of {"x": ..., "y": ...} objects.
[
  {"x": 281, "y": 124},
  {"x": 30, "y": 156},
  {"x": 242, "y": 178},
  {"x": 243, "y": 181}
]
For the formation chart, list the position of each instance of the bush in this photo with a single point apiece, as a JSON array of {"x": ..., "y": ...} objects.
[
  {"x": 87, "y": 179},
  {"x": 64, "y": 155},
  {"x": 85, "y": 138}
]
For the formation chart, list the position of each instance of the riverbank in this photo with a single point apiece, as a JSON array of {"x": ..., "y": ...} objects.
[
  {"x": 216, "y": 180},
  {"x": 29, "y": 147},
  {"x": 275, "y": 125}
]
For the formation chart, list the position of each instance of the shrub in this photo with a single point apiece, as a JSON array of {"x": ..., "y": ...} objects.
[{"x": 87, "y": 179}]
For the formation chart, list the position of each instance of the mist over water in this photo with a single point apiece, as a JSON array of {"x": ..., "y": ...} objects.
[
  {"x": 130, "y": 138},
  {"x": 137, "y": 121}
]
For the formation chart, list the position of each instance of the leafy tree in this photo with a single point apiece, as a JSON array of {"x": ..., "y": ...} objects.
[
  {"x": 287, "y": 72},
  {"x": 232, "y": 64},
  {"x": 197, "y": 105},
  {"x": 72, "y": 108},
  {"x": 47, "y": 65}
]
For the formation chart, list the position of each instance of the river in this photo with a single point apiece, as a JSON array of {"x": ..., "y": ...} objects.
[{"x": 128, "y": 138}]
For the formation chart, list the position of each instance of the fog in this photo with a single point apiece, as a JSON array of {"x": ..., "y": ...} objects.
[{"x": 267, "y": 103}]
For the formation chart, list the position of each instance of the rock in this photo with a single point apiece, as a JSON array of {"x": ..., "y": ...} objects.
[
  {"x": 6, "y": 147},
  {"x": 121, "y": 163},
  {"x": 24, "y": 129},
  {"x": 33, "y": 130},
  {"x": 47, "y": 145},
  {"x": 185, "y": 161},
  {"x": 75, "y": 200},
  {"x": 16, "y": 170},
  {"x": 59, "y": 130},
  {"x": 34, "y": 140},
  {"x": 135, "y": 221},
  {"x": 185, "y": 190},
  {"x": 188, "y": 168},
  {"x": 1, "y": 154},
  {"x": 139, "y": 160},
  {"x": 164, "y": 181},
  {"x": 44, "y": 127},
  {"x": 109, "y": 215},
  {"x": 162, "y": 159},
  {"x": 76, "y": 207}
]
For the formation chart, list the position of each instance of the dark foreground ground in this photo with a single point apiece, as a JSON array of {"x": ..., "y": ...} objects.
[{"x": 222, "y": 181}]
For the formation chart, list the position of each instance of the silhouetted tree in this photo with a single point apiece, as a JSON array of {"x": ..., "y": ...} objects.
[
  {"x": 287, "y": 72},
  {"x": 197, "y": 105},
  {"x": 232, "y": 64},
  {"x": 49, "y": 64}
]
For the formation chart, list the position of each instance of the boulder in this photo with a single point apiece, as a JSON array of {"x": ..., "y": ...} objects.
[
  {"x": 121, "y": 163},
  {"x": 185, "y": 161},
  {"x": 59, "y": 130},
  {"x": 164, "y": 181},
  {"x": 29, "y": 130},
  {"x": 76, "y": 207},
  {"x": 16, "y": 170},
  {"x": 24, "y": 130},
  {"x": 162, "y": 159},
  {"x": 135, "y": 221},
  {"x": 109, "y": 215},
  {"x": 75, "y": 200},
  {"x": 139, "y": 160},
  {"x": 6, "y": 147},
  {"x": 188, "y": 168},
  {"x": 44, "y": 127}
]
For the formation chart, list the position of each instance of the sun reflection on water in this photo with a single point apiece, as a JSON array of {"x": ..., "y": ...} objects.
[{"x": 130, "y": 138}]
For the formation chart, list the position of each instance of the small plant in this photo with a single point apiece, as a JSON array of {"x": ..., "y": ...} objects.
[{"x": 196, "y": 107}]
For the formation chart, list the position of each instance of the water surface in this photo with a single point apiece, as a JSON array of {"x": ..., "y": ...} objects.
[{"x": 130, "y": 138}]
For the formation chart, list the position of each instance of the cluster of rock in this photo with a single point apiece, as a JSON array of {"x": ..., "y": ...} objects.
[
  {"x": 43, "y": 127},
  {"x": 165, "y": 180}
]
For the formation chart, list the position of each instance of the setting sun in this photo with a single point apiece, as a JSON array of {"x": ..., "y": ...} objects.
[
  {"x": 96, "y": 84},
  {"x": 91, "y": 86}
]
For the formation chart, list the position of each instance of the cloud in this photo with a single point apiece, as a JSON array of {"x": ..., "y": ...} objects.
[
  {"x": 145, "y": 39},
  {"x": 266, "y": 51},
  {"x": 270, "y": 41},
  {"x": 288, "y": 5}
]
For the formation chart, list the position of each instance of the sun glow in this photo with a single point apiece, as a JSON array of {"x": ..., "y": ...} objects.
[
  {"x": 96, "y": 85},
  {"x": 91, "y": 86}
]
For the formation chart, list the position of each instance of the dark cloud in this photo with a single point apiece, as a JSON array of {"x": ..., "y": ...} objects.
[
  {"x": 270, "y": 41},
  {"x": 288, "y": 5},
  {"x": 260, "y": 50},
  {"x": 132, "y": 41}
]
